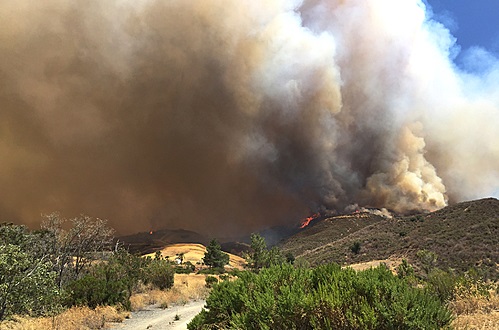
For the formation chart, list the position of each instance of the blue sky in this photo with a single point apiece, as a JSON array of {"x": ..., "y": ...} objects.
[{"x": 473, "y": 22}]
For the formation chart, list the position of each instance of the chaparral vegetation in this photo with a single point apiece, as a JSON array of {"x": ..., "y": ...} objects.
[
  {"x": 46, "y": 271},
  {"x": 71, "y": 274}
]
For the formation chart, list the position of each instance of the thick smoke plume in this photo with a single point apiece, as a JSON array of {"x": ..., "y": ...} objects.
[{"x": 227, "y": 116}]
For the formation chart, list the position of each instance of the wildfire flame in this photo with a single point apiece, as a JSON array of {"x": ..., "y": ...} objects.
[
  {"x": 305, "y": 222},
  {"x": 150, "y": 233}
]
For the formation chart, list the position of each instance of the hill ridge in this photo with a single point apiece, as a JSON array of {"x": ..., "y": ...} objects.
[{"x": 463, "y": 235}]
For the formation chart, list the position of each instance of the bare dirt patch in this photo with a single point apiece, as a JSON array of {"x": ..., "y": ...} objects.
[{"x": 156, "y": 318}]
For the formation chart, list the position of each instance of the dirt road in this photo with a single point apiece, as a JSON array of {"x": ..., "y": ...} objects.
[{"x": 155, "y": 318}]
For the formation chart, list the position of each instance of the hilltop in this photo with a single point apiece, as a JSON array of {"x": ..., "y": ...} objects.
[
  {"x": 194, "y": 253},
  {"x": 149, "y": 242},
  {"x": 463, "y": 235}
]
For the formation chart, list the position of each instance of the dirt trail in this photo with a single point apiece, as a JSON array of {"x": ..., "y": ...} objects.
[{"x": 155, "y": 318}]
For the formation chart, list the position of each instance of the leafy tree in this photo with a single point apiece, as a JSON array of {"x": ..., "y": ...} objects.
[
  {"x": 36, "y": 267},
  {"x": 133, "y": 267},
  {"x": 14, "y": 234},
  {"x": 214, "y": 257},
  {"x": 27, "y": 283},
  {"x": 260, "y": 256},
  {"x": 72, "y": 250}
]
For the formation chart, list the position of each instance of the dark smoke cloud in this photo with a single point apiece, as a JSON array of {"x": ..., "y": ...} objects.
[{"x": 226, "y": 116}]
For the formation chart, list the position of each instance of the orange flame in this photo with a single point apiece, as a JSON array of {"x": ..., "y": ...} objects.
[
  {"x": 306, "y": 221},
  {"x": 150, "y": 233}
]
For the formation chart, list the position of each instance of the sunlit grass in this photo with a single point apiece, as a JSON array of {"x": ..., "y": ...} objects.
[
  {"x": 186, "y": 287},
  {"x": 75, "y": 318},
  {"x": 476, "y": 311}
]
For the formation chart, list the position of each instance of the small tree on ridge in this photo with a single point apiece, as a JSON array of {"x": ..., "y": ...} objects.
[{"x": 214, "y": 256}]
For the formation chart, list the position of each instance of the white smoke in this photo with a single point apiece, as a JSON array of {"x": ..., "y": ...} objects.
[{"x": 231, "y": 115}]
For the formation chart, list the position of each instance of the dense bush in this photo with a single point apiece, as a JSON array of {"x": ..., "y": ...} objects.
[
  {"x": 103, "y": 287},
  {"x": 328, "y": 297},
  {"x": 355, "y": 248},
  {"x": 212, "y": 271},
  {"x": 112, "y": 282},
  {"x": 105, "y": 284},
  {"x": 159, "y": 273},
  {"x": 210, "y": 281},
  {"x": 27, "y": 284},
  {"x": 442, "y": 284}
]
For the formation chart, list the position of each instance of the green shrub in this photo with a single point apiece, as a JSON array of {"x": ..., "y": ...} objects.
[
  {"x": 112, "y": 282},
  {"x": 405, "y": 270},
  {"x": 442, "y": 284},
  {"x": 190, "y": 266},
  {"x": 301, "y": 262},
  {"x": 290, "y": 258},
  {"x": 428, "y": 260},
  {"x": 210, "y": 281},
  {"x": 355, "y": 248},
  {"x": 224, "y": 277},
  {"x": 181, "y": 270},
  {"x": 417, "y": 218},
  {"x": 234, "y": 272},
  {"x": 133, "y": 267},
  {"x": 105, "y": 284},
  {"x": 159, "y": 273},
  {"x": 328, "y": 297},
  {"x": 212, "y": 271}
]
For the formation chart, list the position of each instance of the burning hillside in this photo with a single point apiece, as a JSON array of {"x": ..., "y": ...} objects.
[
  {"x": 228, "y": 116},
  {"x": 305, "y": 222},
  {"x": 464, "y": 236}
]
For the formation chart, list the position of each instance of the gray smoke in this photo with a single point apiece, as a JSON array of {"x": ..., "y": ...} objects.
[{"x": 227, "y": 116}]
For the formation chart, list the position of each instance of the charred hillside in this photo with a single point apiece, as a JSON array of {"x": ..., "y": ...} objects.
[{"x": 463, "y": 235}]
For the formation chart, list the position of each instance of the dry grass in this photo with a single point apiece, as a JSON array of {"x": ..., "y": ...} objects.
[
  {"x": 392, "y": 264},
  {"x": 195, "y": 253},
  {"x": 187, "y": 287},
  {"x": 477, "y": 321},
  {"x": 76, "y": 318},
  {"x": 476, "y": 312}
]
